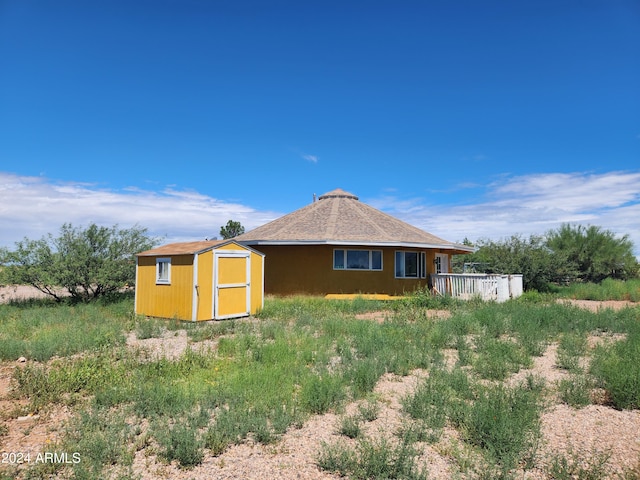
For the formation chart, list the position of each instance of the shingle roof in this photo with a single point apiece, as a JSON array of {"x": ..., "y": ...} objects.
[
  {"x": 338, "y": 217},
  {"x": 182, "y": 248}
]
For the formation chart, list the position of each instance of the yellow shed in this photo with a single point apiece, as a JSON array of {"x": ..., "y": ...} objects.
[{"x": 201, "y": 280}]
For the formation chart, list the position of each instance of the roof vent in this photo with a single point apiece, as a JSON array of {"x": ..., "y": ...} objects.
[{"x": 338, "y": 193}]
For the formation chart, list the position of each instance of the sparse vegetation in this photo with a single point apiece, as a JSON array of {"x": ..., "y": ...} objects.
[{"x": 307, "y": 356}]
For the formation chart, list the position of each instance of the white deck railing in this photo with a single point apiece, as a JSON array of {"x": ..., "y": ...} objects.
[{"x": 468, "y": 285}]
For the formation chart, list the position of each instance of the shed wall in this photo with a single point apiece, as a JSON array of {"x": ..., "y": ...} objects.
[
  {"x": 257, "y": 282},
  {"x": 204, "y": 292},
  {"x": 169, "y": 301},
  {"x": 180, "y": 299}
]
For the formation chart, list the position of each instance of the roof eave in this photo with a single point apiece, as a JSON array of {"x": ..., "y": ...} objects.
[{"x": 457, "y": 248}]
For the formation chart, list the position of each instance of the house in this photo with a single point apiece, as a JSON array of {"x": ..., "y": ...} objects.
[
  {"x": 200, "y": 280},
  {"x": 339, "y": 245}
]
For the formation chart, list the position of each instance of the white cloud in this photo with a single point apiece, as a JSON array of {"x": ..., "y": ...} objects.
[
  {"x": 310, "y": 158},
  {"x": 34, "y": 206},
  {"x": 531, "y": 204}
]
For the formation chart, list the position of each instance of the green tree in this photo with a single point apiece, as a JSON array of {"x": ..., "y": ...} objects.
[
  {"x": 593, "y": 253},
  {"x": 517, "y": 255},
  {"x": 232, "y": 229},
  {"x": 87, "y": 263}
]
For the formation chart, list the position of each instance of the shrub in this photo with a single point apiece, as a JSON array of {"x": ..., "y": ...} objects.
[
  {"x": 350, "y": 426},
  {"x": 498, "y": 358},
  {"x": 575, "y": 391},
  {"x": 371, "y": 460},
  {"x": 321, "y": 393},
  {"x": 504, "y": 423},
  {"x": 571, "y": 347},
  {"x": 181, "y": 443}
]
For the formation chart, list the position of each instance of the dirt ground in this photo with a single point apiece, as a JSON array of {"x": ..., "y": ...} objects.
[{"x": 595, "y": 429}]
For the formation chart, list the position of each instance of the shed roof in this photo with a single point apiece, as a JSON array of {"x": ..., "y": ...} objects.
[
  {"x": 187, "y": 248},
  {"x": 339, "y": 218}
]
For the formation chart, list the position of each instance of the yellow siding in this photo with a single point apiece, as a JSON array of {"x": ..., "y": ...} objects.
[
  {"x": 257, "y": 287},
  {"x": 204, "y": 300},
  {"x": 309, "y": 269},
  {"x": 176, "y": 300},
  {"x": 168, "y": 301}
]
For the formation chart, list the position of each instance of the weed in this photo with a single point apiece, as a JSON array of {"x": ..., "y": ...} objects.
[
  {"x": 571, "y": 348},
  {"x": 41, "y": 332},
  {"x": 496, "y": 359},
  {"x": 371, "y": 459},
  {"x": 363, "y": 375},
  {"x": 102, "y": 437},
  {"x": 575, "y": 391},
  {"x": 594, "y": 467},
  {"x": 369, "y": 410},
  {"x": 148, "y": 328},
  {"x": 337, "y": 458},
  {"x": 211, "y": 330},
  {"x": 616, "y": 368},
  {"x": 321, "y": 393},
  {"x": 62, "y": 380},
  {"x": 181, "y": 443},
  {"x": 608, "y": 289},
  {"x": 350, "y": 426},
  {"x": 504, "y": 423}
]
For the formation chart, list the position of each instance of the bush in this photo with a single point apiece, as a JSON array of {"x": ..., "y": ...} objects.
[
  {"x": 575, "y": 391},
  {"x": 371, "y": 460},
  {"x": 504, "y": 423},
  {"x": 182, "y": 444},
  {"x": 321, "y": 393}
]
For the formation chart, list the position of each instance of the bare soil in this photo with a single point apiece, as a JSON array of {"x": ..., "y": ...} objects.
[{"x": 576, "y": 433}]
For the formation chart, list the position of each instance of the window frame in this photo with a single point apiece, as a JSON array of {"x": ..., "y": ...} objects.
[
  {"x": 345, "y": 256},
  {"x": 421, "y": 265},
  {"x": 165, "y": 279}
]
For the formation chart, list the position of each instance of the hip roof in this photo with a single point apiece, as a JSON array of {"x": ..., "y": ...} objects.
[{"x": 338, "y": 217}]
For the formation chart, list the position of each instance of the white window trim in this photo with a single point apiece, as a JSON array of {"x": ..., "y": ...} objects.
[
  {"x": 163, "y": 281},
  {"x": 421, "y": 267},
  {"x": 345, "y": 250}
]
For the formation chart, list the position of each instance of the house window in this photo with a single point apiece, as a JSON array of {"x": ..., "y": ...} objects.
[
  {"x": 163, "y": 270},
  {"x": 411, "y": 264},
  {"x": 357, "y": 259}
]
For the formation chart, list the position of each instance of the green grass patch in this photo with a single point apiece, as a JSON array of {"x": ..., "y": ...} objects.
[
  {"x": 42, "y": 332},
  {"x": 608, "y": 289},
  {"x": 616, "y": 368}
]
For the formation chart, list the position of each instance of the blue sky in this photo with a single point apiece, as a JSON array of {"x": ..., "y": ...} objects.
[{"x": 464, "y": 118}]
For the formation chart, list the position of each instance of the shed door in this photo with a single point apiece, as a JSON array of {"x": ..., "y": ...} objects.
[{"x": 232, "y": 286}]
